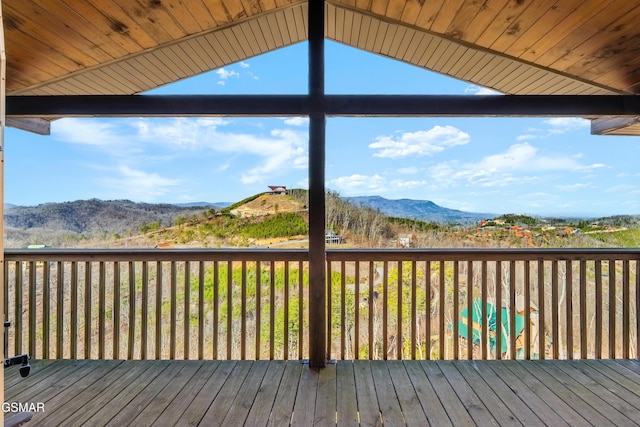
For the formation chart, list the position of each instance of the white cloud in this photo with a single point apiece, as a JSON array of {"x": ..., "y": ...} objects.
[
  {"x": 402, "y": 184},
  {"x": 559, "y": 125},
  {"x": 297, "y": 121},
  {"x": 284, "y": 148},
  {"x": 138, "y": 185},
  {"x": 87, "y": 132},
  {"x": 277, "y": 152},
  {"x": 520, "y": 163},
  {"x": 224, "y": 75},
  {"x": 573, "y": 187},
  {"x": 479, "y": 90},
  {"x": 526, "y": 137},
  {"x": 358, "y": 184},
  {"x": 419, "y": 143},
  {"x": 411, "y": 170},
  {"x": 244, "y": 64}
]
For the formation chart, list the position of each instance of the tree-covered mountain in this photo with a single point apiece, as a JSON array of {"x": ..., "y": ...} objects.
[
  {"x": 418, "y": 209},
  {"x": 50, "y": 222}
]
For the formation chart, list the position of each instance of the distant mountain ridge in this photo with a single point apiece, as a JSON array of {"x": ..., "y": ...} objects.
[
  {"x": 424, "y": 210},
  {"x": 94, "y": 215}
]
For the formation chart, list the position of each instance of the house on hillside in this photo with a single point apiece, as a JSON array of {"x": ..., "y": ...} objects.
[
  {"x": 407, "y": 240},
  {"x": 277, "y": 189}
]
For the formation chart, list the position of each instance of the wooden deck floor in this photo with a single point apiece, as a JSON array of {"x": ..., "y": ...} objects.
[{"x": 459, "y": 393}]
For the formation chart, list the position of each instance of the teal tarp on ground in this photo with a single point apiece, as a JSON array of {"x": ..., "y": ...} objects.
[{"x": 463, "y": 330}]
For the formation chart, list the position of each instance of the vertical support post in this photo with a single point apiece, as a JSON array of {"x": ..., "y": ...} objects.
[
  {"x": 317, "y": 123},
  {"x": 3, "y": 75}
]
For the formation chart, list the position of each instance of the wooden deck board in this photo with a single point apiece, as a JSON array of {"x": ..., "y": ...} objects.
[
  {"x": 259, "y": 393},
  {"x": 346, "y": 403},
  {"x": 499, "y": 410},
  {"x": 475, "y": 407},
  {"x": 258, "y": 415},
  {"x": 436, "y": 413},
  {"x": 304, "y": 409},
  {"x": 286, "y": 395},
  {"x": 387, "y": 399},
  {"x": 368, "y": 409},
  {"x": 592, "y": 401},
  {"x": 167, "y": 407},
  {"x": 552, "y": 396},
  {"x": 326, "y": 404},
  {"x": 456, "y": 410},
  {"x": 412, "y": 411}
]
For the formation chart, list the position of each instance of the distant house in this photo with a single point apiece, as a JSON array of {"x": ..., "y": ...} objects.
[
  {"x": 332, "y": 238},
  {"x": 277, "y": 189},
  {"x": 407, "y": 240}
]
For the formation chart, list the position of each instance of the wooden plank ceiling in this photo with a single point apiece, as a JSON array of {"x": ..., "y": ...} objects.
[{"x": 73, "y": 47}]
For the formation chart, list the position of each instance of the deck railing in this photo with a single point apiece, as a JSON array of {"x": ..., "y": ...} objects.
[{"x": 381, "y": 304}]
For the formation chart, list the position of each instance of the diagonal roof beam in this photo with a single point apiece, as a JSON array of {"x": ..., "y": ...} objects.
[{"x": 332, "y": 105}]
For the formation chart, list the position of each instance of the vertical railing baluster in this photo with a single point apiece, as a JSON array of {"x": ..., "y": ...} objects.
[
  {"x": 272, "y": 309},
  {"x": 385, "y": 309},
  {"x": 599, "y": 303},
  {"x": 187, "y": 311},
  {"x": 132, "y": 310},
  {"x": 414, "y": 308},
  {"x": 229, "y": 308},
  {"x": 144, "y": 324},
  {"x": 173, "y": 314},
  {"x": 216, "y": 309},
  {"x": 102, "y": 309},
  {"x": 343, "y": 310},
  {"x": 569, "y": 307},
  {"x": 159, "y": 310},
  {"x": 484, "y": 338},
  {"x": 300, "y": 310},
  {"x": 5, "y": 306},
  {"x": 371, "y": 313},
  {"x": 541, "y": 311},
  {"x": 612, "y": 309},
  {"x": 442, "y": 297},
  {"x": 116, "y": 310},
  {"x": 626, "y": 303},
  {"x": 583, "y": 309},
  {"x": 356, "y": 301},
  {"x": 470, "y": 324},
  {"x": 399, "y": 337},
  {"x": 201, "y": 310},
  {"x": 637, "y": 303},
  {"x": 427, "y": 320},
  {"x": 258, "y": 308},
  {"x": 60, "y": 310},
  {"x": 555, "y": 326},
  {"x": 498, "y": 308},
  {"x": 243, "y": 311},
  {"x": 513, "y": 334},
  {"x": 32, "y": 308},
  {"x": 87, "y": 310},
  {"x": 74, "y": 310},
  {"x": 285, "y": 332},
  {"x": 46, "y": 309},
  {"x": 329, "y": 325},
  {"x": 456, "y": 310},
  {"x": 527, "y": 310}
]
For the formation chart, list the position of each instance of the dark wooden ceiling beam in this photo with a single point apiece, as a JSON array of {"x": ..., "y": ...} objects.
[{"x": 331, "y": 105}]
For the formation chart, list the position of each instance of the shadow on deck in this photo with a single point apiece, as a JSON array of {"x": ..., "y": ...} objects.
[{"x": 90, "y": 392}]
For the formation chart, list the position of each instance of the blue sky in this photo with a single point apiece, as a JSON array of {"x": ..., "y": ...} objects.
[{"x": 535, "y": 166}]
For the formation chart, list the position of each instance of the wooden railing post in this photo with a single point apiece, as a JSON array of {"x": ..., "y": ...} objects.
[{"x": 317, "y": 122}]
